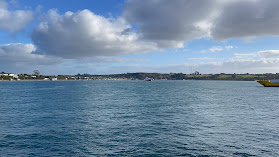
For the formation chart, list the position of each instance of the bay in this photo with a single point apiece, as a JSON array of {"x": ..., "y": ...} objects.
[{"x": 138, "y": 118}]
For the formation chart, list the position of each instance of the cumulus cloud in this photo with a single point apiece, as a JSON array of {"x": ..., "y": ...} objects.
[
  {"x": 85, "y": 34},
  {"x": 246, "y": 19},
  {"x": 13, "y": 20},
  {"x": 170, "y": 23},
  {"x": 18, "y": 54}
]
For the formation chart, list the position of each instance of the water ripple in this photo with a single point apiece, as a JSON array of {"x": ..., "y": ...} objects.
[{"x": 138, "y": 118}]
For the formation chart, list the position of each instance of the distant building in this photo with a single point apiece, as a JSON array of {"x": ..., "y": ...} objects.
[{"x": 15, "y": 76}]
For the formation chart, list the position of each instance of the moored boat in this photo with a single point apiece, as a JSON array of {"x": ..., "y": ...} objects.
[
  {"x": 148, "y": 79},
  {"x": 269, "y": 83}
]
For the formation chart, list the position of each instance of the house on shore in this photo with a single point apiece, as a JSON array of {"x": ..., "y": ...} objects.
[{"x": 53, "y": 78}]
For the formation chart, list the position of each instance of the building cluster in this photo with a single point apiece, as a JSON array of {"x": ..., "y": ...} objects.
[
  {"x": 17, "y": 77},
  {"x": 9, "y": 76}
]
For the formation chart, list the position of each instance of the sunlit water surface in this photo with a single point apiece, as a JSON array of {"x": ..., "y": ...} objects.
[{"x": 139, "y": 118}]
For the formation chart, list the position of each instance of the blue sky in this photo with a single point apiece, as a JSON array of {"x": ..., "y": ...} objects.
[{"x": 119, "y": 36}]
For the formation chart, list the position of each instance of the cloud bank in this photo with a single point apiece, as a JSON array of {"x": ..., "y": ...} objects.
[
  {"x": 231, "y": 66},
  {"x": 246, "y": 19},
  {"x": 259, "y": 54},
  {"x": 18, "y": 54},
  {"x": 269, "y": 53},
  {"x": 171, "y": 23}
]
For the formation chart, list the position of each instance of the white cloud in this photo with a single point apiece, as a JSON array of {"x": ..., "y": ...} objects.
[
  {"x": 23, "y": 54},
  {"x": 243, "y": 55},
  {"x": 20, "y": 58},
  {"x": 269, "y": 53},
  {"x": 85, "y": 34},
  {"x": 202, "y": 58},
  {"x": 216, "y": 48},
  {"x": 13, "y": 20},
  {"x": 245, "y": 66},
  {"x": 229, "y": 47},
  {"x": 242, "y": 66},
  {"x": 230, "y": 66},
  {"x": 259, "y": 54},
  {"x": 18, "y": 54}
]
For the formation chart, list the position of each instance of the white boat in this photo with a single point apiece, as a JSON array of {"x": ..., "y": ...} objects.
[{"x": 148, "y": 79}]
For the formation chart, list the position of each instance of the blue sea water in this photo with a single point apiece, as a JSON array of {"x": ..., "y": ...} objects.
[{"x": 138, "y": 118}]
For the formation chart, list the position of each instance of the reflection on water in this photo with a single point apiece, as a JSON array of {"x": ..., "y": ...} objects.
[{"x": 83, "y": 118}]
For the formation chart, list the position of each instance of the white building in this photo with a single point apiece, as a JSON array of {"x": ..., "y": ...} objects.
[
  {"x": 53, "y": 79},
  {"x": 15, "y": 76}
]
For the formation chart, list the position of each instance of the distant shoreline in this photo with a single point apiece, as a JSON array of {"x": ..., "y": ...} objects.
[
  {"x": 112, "y": 80},
  {"x": 142, "y": 76}
]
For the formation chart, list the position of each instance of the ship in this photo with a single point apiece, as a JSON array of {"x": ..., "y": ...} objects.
[{"x": 269, "y": 83}]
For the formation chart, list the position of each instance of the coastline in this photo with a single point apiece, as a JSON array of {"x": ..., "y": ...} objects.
[
  {"x": 117, "y": 80},
  {"x": 141, "y": 76}
]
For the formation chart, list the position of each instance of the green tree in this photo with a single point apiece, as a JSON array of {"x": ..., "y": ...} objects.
[{"x": 36, "y": 72}]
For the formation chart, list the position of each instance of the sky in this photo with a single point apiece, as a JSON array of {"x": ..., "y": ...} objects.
[{"x": 120, "y": 36}]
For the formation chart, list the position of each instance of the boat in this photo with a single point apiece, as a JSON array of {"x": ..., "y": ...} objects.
[
  {"x": 269, "y": 83},
  {"x": 148, "y": 79}
]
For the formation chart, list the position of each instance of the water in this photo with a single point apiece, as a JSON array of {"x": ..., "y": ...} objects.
[{"x": 138, "y": 118}]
